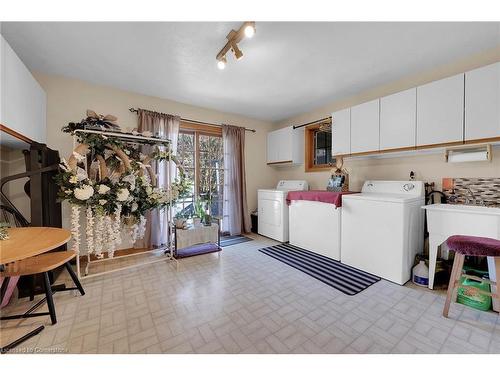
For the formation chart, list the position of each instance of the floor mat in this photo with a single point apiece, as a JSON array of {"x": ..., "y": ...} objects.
[
  {"x": 226, "y": 241},
  {"x": 346, "y": 279}
]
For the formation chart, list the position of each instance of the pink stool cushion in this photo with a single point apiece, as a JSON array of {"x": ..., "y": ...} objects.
[{"x": 471, "y": 245}]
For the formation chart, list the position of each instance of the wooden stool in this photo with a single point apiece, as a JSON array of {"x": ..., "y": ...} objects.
[
  {"x": 471, "y": 246},
  {"x": 42, "y": 264}
]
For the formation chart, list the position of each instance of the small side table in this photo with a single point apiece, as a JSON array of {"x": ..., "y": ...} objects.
[{"x": 197, "y": 240}]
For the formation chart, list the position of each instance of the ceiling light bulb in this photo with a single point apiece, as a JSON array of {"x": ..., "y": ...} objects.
[
  {"x": 249, "y": 31},
  {"x": 221, "y": 64}
]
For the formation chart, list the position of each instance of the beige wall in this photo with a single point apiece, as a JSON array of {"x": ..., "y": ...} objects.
[
  {"x": 429, "y": 167},
  {"x": 68, "y": 100}
]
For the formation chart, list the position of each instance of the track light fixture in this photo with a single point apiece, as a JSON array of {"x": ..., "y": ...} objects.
[
  {"x": 233, "y": 38},
  {"x": 237, "y": 52}
]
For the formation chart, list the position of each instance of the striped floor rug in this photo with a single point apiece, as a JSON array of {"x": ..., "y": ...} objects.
[{"x": 347, "y": 279}]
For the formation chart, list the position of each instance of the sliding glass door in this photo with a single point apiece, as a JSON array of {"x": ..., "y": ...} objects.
[{"x": 200, "y": 152}]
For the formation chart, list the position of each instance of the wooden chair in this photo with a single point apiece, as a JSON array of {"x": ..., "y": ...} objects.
[
  {"x": 42, "y": 264},
  {"x": 471, "y": 246}
]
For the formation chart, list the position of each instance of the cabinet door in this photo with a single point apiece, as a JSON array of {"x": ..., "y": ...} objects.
[
  {"x": 482, "y": 103},
  {"x": 341, "y": 132},
  {"x": 297, "y": 145},
  {"x": 440, "y": 107},
  {"x": 285, "y": 152},
  {"x": 365, "y": 127},
  {"x": 398, "y": 120},
  {"x": 272, "y": 147}
]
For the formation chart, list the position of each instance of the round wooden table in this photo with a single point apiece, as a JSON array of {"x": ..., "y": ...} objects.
[
  {"x": 25, "y": 243},
  {"x": 31, "y": 241}
]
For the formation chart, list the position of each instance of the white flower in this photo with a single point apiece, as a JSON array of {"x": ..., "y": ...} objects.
[
  {"x": 73, "y": 179},
  {"x": 81, "y": 174},
  {"x": 122, "y": 195},
  {"x": 134, "y": 207},
  {"x": 68, "y": 191},
  {"x": 83, "y": 193},
  {"x": 127, "y": 152},
  {"x": 149, "y": 190},
  {"x": 130, "y": 178},
  {"x": 103, "y": 189},
  {"x": 78, "y": 157},
  {"x": 102, "y": 202}
]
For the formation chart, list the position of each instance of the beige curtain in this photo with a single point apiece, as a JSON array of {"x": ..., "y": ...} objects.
[
  {"x": 167, "y": 126},
  {"x": 236, "y": 217}
]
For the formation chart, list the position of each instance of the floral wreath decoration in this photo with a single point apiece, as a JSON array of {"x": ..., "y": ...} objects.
[{"x": 119, "y": 188}]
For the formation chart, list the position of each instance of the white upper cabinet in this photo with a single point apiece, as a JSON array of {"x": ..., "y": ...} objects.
[
  {"x": 272, "y": 148},
  {"x": 482, "y": 103},
  {"x": 341, "y": 132},
  {"x": 440, "y": 108},
  {"x": 398, "y": 120},
  {"x": 23, "y": 102},
  {"x": 285, "y": 146},
  {"x": 365, "y": 127}
]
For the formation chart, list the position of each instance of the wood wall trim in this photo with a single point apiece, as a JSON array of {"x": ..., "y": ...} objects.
[
  {"x": 279, "y": 162},
  {"x": 446, "y": 144},
  {"x": 205, "y": 129},
  {"x": 421, "y": 147},
  {"x": 308, "y": 150},
  {"x": 15, "y": 134},
  {"x": 318, "y": 168},
  {"x": 482, "y": 140},
  {"x": 412, "y": 148},
  {"x": 399, "y": 149}
]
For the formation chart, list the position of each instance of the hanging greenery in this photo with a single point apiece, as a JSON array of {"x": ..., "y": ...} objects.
[{"x": 113, "y": 180}]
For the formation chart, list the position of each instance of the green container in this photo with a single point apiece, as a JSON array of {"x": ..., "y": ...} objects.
[{"x": 471, "y": 297}]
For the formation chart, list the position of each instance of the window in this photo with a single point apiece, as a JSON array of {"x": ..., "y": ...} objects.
[
  {"x": 318, "y": 150},
  {"x": 199, "y": 149}
]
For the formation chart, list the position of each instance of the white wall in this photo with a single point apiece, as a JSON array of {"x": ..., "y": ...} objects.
[{"x": 22, "y": 100}]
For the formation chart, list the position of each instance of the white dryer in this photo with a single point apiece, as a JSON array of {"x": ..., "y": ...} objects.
[
  {"x": 383, "y": 228},
  {"x": 273, "y": 209}
]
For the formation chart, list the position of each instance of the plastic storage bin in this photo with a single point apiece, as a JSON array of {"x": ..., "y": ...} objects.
[{"x": 471, "y": 297}]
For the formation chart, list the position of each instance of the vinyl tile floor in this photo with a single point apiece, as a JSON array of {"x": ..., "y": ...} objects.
[{"x": 247, "y": 302}]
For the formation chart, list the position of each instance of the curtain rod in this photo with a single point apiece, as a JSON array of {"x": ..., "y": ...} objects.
[
  {"x": 195, "y": 121},
  {"x": 313, "y": 122}
]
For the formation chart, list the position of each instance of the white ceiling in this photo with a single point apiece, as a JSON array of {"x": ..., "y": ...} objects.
[{"x": 288, "y": 68}]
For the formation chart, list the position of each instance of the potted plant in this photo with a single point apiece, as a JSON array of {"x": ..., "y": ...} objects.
[
  {"x": 207, "y": 220},
  {"x": 196, "y": 220},
  {"x": 180, "y": 220},
  {"x": 199, "y": 211}
]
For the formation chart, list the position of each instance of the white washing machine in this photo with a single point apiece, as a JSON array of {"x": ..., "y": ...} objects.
[
  {"x": 273, "y": 209},
  {"x": 383, "y": 228}
]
